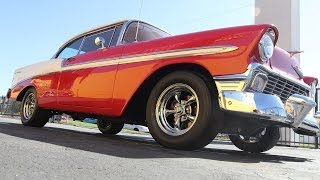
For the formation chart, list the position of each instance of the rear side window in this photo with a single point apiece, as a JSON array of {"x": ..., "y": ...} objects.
[
  {"x": 89, "y": 44},
  {"x": 145, "y": 33},
  {"x": 71, "y": 50}
]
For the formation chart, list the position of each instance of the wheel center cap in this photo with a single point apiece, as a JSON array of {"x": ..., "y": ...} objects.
[{"x": 179, "y": 109}]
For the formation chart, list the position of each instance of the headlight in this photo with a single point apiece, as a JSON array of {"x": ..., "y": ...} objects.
[{"x": 266, "y": 45}]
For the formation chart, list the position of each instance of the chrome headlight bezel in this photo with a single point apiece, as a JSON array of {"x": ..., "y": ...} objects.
[{"x": 266, "y": 45}]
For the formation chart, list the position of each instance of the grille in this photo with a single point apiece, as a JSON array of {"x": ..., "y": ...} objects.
[{"x": 283, "y": 87}]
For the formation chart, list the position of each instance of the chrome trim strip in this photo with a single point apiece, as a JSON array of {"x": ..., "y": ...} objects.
[
  {"x": 123, "y": 30},
  {"x": 208, "y": 50},
  {"x": 231, "y": 77},
  {"x": 127, "y": 24}
]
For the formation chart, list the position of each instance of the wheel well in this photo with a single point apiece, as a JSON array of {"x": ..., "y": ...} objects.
[
  {"x": 138, "y": 115},
  {"x": 23, "y": 92}
]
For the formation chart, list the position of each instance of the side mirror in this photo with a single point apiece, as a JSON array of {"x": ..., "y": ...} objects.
[{"x": 100, "y": 41}]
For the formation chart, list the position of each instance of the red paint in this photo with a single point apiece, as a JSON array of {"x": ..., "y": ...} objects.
[
  {"x": 309, "y": 80},
  {"x": 107, "y": 90}
]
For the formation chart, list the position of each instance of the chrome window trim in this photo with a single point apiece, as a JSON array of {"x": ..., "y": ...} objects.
[
  {"x": 124, "y": 23},
  {"x": 100, "y": 32},
  {"x": 123, "y": 30},
  {"x": 127, "y": 24},
  {"x": 67, "y": 45},
  {"x": 85, "y": 33},
  {"x": 114, "y": 31}
]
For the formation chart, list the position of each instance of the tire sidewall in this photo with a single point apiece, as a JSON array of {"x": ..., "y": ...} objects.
[
  {"x": 267, "y": 141},
  {"x": 206, "y": 125},
  {"x": 33, "y": 117},
  {"x": 113, "y": 128}
]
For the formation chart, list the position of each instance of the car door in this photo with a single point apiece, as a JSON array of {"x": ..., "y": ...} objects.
[{"x": 87, "y": 79}]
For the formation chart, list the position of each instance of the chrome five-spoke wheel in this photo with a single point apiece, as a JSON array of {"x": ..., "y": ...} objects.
[
  {"x": 29, "y": 106},
  {"x": 177, "y": 109},
  {"x": 31, "y": 114},
  {"x": 182, "y": 111}
]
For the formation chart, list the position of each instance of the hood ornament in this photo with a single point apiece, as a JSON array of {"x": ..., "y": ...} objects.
[{"x": 292, "y": 53}]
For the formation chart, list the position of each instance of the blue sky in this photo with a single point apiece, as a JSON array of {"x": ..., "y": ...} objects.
[{"x": 31, "y": 31}]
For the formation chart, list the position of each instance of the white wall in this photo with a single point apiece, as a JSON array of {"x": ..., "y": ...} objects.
[{"x": 285, "y": 15}]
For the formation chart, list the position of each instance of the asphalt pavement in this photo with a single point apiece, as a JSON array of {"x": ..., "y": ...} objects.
[{"x": 66, "y": 152}]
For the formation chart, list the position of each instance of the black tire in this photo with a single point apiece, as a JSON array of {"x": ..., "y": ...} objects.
[
  {"x": 109, "y": 128},
  {"x": 207, "y": 123},
  {"x": 37, "y": 117},
  {"x": 265, "y": 142}
]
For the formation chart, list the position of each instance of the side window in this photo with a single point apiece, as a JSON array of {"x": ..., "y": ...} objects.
[
  {"x": 115, "y": 36},
  {"x": 89, "y": 45},
  {"x": 145, "y": 33},
  {"x": 71, "y": 49}
]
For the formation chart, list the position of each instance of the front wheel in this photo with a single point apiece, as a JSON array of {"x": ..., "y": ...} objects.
[
  {"x": 109, "y": 128},
  {"x": 263, "y": 141},
  {"x": 182, "y": 111},
  {"x": 31, "y": 114}
]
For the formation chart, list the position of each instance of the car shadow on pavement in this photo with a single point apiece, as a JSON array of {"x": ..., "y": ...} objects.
[{"x": 127, "y": 146}]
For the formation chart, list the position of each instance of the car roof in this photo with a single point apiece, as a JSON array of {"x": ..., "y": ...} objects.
[
  {"x": 99, "y": 28},
  {"x": 95, "y": 29}
]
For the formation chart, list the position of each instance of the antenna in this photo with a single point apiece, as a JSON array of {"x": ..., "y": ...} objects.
[{"x": 137, "y": 31}]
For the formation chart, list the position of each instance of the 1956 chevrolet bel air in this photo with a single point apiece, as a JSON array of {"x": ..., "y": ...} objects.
[{"x": 185, "y": 88}]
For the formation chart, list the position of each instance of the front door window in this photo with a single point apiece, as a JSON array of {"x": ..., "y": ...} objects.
[{"x": 71, "y": 50}]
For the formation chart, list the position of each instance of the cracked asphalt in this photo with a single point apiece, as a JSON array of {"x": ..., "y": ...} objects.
[{"x": 66, "y": 152}]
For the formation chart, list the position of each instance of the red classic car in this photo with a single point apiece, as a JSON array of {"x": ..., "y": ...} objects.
[{"x": 185, "y": 88}]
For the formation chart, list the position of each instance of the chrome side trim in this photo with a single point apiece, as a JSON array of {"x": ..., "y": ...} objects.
[
  {"x": 57, "y": 65},
  {"x": 208, "y": 50},
  {"x": 235, "y": 77}
]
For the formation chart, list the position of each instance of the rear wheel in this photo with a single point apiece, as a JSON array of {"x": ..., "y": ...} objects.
[
  {"x": 109, "y": 128},
  {"x": 263, "y": 141},
  {"x": 31, "y": 114},
  {"x": 182, "y": 111}
]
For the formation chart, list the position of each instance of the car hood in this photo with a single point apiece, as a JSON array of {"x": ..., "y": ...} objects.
[{"x": 282, "y": 62}]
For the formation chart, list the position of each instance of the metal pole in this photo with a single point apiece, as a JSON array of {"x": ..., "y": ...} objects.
[{"x": 316, "y": 109}]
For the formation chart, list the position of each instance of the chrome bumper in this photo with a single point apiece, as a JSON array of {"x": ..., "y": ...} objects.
[{"x": 293, "y": 113}]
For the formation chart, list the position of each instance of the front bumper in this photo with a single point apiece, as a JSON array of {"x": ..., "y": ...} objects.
[{"x": 293, "y": 113}]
